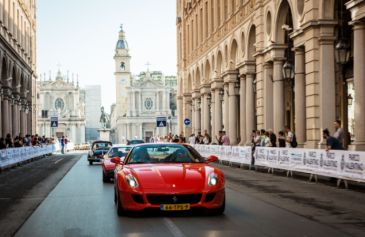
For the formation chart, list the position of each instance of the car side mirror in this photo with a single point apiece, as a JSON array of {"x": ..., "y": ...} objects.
[
  {"x": 116, "y": 160},
  {"x": 211, "y": 159}
]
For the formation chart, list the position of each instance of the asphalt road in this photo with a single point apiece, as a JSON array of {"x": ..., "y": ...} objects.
[
  {"x": 82, "y": 205},
  {"x": 23, "y": 188}
]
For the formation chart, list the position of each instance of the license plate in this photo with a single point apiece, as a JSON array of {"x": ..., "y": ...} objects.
[{"x": 175, "y": 207}]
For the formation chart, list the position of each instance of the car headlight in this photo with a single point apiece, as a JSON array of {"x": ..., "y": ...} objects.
[
  {"x": 132, "y": 181},
  {"x": 212, "y": 179}
]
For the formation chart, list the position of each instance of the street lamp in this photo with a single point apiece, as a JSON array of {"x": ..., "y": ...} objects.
[
  {"x": 350, "y": 99},
  {"x": 342, "y": 52},
  {"x": 288, "y": 71}
]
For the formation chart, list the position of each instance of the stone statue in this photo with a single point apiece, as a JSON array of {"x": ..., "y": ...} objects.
[{"x": 104, "y": 119}]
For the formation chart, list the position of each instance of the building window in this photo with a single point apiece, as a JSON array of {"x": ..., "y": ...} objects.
[
  {"x": 148, "y": 103},
  {"x": 59, "y": 104},
  {"x": 44, "y": 113}
]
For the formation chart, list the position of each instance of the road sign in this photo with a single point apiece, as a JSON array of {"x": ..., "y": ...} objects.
[
  {"x": 187, "y": 122},
  {"x": 161, "y": 122},
  {"x": 54, "y": 122}
]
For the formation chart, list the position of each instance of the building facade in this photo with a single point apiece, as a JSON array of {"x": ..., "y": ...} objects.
[
  {"x": 252, "y": 64},
  {"x": 64, "y": 99},
  {"x": 92, "y": 111},
  {"x": 141, "y": 99},
  {"x": 18, "y": 67}
]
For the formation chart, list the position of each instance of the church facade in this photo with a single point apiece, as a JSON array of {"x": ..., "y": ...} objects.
[
  {"x": 64, "y": 99},
  {"x": 141, "y": 99}
]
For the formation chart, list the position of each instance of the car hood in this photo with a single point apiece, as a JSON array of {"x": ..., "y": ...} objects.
[{"x": 169, "y": 177}]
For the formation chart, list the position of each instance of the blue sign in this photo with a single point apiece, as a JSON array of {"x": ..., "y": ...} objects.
[
  {"x": 54, "y": 122},
  {"x": 161, "y": 122},
  {"x": 187, "y": 122}
]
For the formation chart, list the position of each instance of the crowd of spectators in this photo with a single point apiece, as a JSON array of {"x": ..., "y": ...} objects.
[{"x": 21, "y": 141}]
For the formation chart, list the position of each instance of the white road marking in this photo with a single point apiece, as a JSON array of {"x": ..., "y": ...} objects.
[
  {"x": 59, "y": 160},
  {"x": 176, "y": 232}
]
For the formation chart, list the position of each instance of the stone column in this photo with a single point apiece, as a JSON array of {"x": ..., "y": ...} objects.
[
  {"x": 22, "y": 118},
  {"x": 232, "y": 129},
  {"x": 300, "y": 113},
  {"x": 193, "y": 117},
  {"x": 359, "y": 85},
  {"x": 197, "y": 112},
  {"x": 212, "y": 115},
  {"x": 243, "y": 114},
  {"x": 198, "y": 116},
  {"x": 205, "y": 109},
  {"x": 187, "y": 113},
  {"x": 5, "y": 112},
  {"x": 225, "y": 108},
  {"x": 327, "y": 84},
  {"x": 268, "y": 96},
  {"x": 250, "y": 107},
  {"x": 29, "y": 118},
  {"x": 1, "y": 116},
  {"x": 180, "y": 116},
  {"x": 278, "y": 99},
  {"x": 218, "y": 123},
  {"x": 14, "y": 117}
]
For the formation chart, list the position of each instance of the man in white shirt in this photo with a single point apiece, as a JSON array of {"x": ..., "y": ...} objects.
[
  {"x": 192, "y": 139},
  {"x": 339, "y": 133}
]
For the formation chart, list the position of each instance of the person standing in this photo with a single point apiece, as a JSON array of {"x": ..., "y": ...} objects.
[
  {"x": 225, "y": 139},
  {"x": 332, "y": 142},
  {"x": 272, "y": 137},
  {"x": 339, "y": 133},
  {"x": 192, "y": 139},
  {"x": 219, "y": 139},
  {"x": 281, "y": 139},
  {"x": 63, "y": 145},
  {"x": 207, "y": 139}
]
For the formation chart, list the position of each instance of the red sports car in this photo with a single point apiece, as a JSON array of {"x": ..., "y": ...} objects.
[
  {"x": 168, "y": 177},
  {"x": 108, "y": 167}
]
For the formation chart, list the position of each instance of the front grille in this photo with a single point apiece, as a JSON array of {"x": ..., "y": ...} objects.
[
  {"x": 138, "y": 198},
  {"x": 209, "y": 197},
  {"x": 174, "y": 199}
]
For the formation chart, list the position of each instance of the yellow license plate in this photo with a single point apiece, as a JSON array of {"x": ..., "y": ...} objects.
[{"x": 175, "y": 207}]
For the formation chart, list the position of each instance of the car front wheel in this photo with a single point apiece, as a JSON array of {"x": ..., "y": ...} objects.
[
  {"x": 120, "y": 209},
  {"x": 90, "y": 162},
  {"x": 105, "y": 178}
]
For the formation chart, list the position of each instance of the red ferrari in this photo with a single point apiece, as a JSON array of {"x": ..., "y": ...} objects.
[
  {"x": 168, "y": 177},
  {"x": 108, "y": 167}
]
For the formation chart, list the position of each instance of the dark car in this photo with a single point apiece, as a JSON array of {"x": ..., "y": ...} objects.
[
  {"x": 134, "y": 142},
  {"x": 97, "y": 151}
]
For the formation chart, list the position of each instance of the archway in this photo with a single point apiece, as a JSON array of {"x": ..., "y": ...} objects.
[{"x": 284, "y": 26}]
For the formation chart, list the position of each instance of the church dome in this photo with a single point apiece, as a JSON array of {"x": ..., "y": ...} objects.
[{"x": 122, "y": 43}]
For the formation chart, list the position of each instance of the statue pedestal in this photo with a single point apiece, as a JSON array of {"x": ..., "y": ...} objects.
[{"x": 104, "y": 134}]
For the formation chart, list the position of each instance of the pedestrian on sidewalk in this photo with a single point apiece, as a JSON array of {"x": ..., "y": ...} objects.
[
  {"x": 63, "y": 145},
  {"x": 282, "y": 139},
  {"x": 332, "y": 142},
  {"x": 339, "y": 132},
  {"x": 225, "y": 139},
  {"x": 2, "y": 143},
  {"x": 291, "y": 139},
  {"x": 272, "y": 137}
]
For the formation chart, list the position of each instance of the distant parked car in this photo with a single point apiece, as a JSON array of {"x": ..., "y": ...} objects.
[
  {"x": 120, "y": 151},
  {"x": 97, "y": 151},
  {"x": 134, "y": 142}
]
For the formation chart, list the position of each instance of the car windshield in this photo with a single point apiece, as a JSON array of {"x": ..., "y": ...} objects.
[
  {"x": 119, "y": 151},
  {"x": 102, "y": 146},
  {"x": 134, "y": 142},
  {"x": 162, "y": 153}
]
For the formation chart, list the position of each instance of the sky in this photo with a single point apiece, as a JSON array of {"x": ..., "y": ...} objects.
[{"x": 80, "y": 36}]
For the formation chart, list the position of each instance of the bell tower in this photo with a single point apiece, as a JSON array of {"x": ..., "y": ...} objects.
[{"x": 122, "y": 72}]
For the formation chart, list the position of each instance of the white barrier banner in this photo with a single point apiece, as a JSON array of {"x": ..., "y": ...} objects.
[
  {"x": 245, "y": 154},
  {"x": 14, "y": 155},
  {"x": 237, "y": 154},
  {"x": 352, "y": 165}
]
